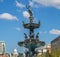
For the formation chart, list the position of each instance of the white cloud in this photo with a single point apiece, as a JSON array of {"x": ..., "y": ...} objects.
[
  {"x": 19, "y": 4},
  {"x": 32, "y": 4},
  {"x": 43, "y": 32},
  {"x": 26, "y": 14},
  {"x": 8, "y": 16},
  {"x": 17, "y": 28},
  {"x": 54, "y": 31},
  {"x": 51, "y": 3}
]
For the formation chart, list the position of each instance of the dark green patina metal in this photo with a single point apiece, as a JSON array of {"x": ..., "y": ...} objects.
[{"x": 32, "y": 42}]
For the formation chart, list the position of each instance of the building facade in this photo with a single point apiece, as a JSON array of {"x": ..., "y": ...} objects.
[
  {"x": 43, "y": 50},
  {"x": 14, "y": 54},
  {"x": 55, "y": 47},
  {"x": 2, "y": 48}
]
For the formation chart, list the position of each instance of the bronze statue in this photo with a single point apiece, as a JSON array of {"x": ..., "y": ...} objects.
[
  {"x": 32, "y": 42},
  {"x": 29, "y": 10}
]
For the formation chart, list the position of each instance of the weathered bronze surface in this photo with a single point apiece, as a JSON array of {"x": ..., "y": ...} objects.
[{"x": 32, "y": 42}]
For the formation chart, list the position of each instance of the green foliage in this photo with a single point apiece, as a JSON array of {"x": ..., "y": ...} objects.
[
  {"x": 46, "y": 54},
  {"x": 55, "y": 53}
]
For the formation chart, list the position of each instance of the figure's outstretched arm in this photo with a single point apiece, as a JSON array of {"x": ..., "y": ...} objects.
[
  {"x": 29, "y": 10},
  {"x": 25, "y": 35}
]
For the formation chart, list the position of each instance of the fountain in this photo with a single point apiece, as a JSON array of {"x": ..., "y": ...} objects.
[{"x": 32, "y": 42}]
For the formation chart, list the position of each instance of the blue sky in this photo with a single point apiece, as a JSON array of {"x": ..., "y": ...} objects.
[{"x": 13, "y": 12}]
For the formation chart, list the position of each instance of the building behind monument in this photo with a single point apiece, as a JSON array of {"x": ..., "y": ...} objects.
[
  {"x": 2, "y": 48},
  {"x": 55, "y": 47}
]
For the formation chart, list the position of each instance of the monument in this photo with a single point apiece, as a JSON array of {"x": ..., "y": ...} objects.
[{"x": 32, "y": 42}]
